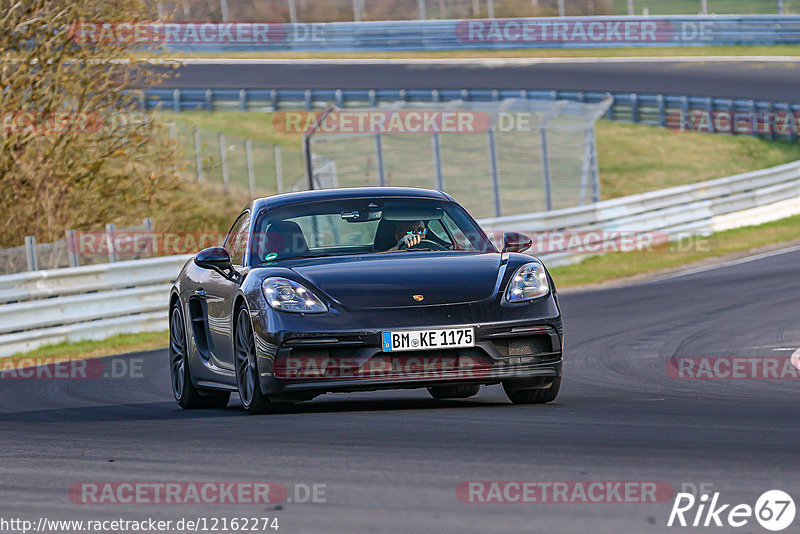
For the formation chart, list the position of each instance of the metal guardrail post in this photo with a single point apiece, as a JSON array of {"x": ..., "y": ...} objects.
[
  {"x": 223, "y": 6},
  {"x": 111, "y": 230},
  {"x": 242, "y": 99},
  {"x": 251, "y": 173},
  {"x": 379, "y": 159},
  {"x": 630, "y": 8},
  {"x": 176, "y": 100},
  {"x": 72, "y": 248},
  {"x": 30, "y": 253},
  {"x": 495, "y": 172},
  {"x": 197, "y": 159},
  {"x": 437, "y": 161},
  {"x": 548, "y": 195},
  {"x": 292, "y": 12},
  {"x": 781, "y": 10},
  {"x": 662, "y": 112},
  {"x": 276, "y": 151},
  {"x": 223, "y": 158},
  {"x": 490, "y": 8},
  {"x": 422, "y": 10},
  {"x": 634, "y": 108},
  {"x": 561, "y": 10},
  {"x": 147, "y": 222}
]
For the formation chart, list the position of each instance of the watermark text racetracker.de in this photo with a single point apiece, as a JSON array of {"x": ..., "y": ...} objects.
[
  {"x": 566, "y": 492},
  {"x": 98, "y": 493},
  {"x": 734, "y": 367},
  {"x": 71, "y": 368}
]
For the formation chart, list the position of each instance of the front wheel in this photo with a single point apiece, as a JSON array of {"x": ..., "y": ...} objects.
[
  {"x": 532, "y": 396},
  {"x": 188, "y": 396},
  {"x": 253, "y": 400}
]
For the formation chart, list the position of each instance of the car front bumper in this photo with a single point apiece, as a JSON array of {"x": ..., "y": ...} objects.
[{"x": 303, "y": 356}]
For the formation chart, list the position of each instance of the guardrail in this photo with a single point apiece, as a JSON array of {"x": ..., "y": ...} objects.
[
  {"x": 91, "y": 302},
  {"x": 516, "y": 33},
  {"x": 687, "y": 112},
  {"x": 98, "y": 301}
]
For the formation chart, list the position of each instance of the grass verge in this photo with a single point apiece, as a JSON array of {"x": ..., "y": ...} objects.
[
  {"x": 119, "y": 344},
  {"x": 621, "y": 265}
]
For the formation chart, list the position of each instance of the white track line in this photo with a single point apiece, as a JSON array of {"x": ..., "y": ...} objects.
[
  {"x": 489, "y": 62},
  {"x": 726, "y": 264}
]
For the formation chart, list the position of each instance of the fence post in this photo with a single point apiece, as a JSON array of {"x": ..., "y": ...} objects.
[
  {"x": 251, "y": 173},
  {"x": 223, "y": 6},
  {"x": 379, "y": 160},
  {"x": 662, "y": 111},
  {"x": 176, "y": 100},
  {"x": 495, "y": 172},
  {"x": 630, "y": 8},
  {"x": 30, "y": 253},
  {"x": 437, "y": 161},
  {"x": 72, "y": 249},
  {"x": 490, "y": 8},
  {"x": 548, "y": 198},
  {"x": 292, "y": 12},
  {"x": 781, "y": 10},
  {"x": 356, "y": 11},
  {"x": 276, "y": 150},
  {"x": 704, "y": 7},
  {"x": 422, "y": 8},
  {"x": 595, "y": 167},
  {"x": 223, "y": 157},
  {"x": 561, "y": 10},
  {"x": 197, "y": 158},
  {"x": 111, "y": 230},
  {"x": 634, "y": 108}
]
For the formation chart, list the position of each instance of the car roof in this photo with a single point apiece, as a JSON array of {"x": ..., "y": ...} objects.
[{"x": 299, "y": 197}]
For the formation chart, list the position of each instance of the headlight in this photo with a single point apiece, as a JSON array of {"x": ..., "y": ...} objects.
[
  {"x": 529, "y": 282},
  {"x": 287, "y": 295}
]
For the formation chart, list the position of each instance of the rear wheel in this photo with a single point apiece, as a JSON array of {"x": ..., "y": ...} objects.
[
  {"x": 461, "y": 391},
  {"x": 532, "y": 396},
  {"x": 188, "y": 397},
  {"x": 253, "y": 400}
]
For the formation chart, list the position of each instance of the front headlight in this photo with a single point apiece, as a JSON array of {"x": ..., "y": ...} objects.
[
  {"x": 287, "y": 295},
  {"x": 529, "y": 282}
]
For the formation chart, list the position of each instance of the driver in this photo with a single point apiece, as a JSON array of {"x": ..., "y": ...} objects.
[{"x": 408, "y": 234}]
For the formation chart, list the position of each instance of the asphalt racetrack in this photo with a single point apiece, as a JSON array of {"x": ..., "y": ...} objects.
[
  {"x": 391, "y": 461},
  {"x": 758, "y": 78}
]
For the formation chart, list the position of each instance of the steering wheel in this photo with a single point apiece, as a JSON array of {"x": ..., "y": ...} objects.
[{"x": 424, "y": 243}]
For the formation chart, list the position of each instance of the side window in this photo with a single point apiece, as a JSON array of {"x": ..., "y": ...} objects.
[{"x": 236, "y": 242}]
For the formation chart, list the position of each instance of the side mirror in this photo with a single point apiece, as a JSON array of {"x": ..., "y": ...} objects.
[
  {"x": 216, "y": 258},
  {"x": 516, "y": 242}
]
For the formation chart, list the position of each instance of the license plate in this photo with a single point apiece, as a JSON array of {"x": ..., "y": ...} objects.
[{"x": 445, "y": 338}]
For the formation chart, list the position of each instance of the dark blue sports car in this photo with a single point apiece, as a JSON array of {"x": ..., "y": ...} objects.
[{"x": 362, "y": 289}]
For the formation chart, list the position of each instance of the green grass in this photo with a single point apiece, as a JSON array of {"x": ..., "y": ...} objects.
[
  {"x": 777, "y": 50},
  {"x": 692, "y": 7},
  {"x": 66, "y": 350},
  {"x": 621, "y": 265},
  {"x": 635, "y": 158}
]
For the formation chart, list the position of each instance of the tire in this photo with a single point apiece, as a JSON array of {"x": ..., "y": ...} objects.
[
  {"x": 253, "y": 400},
  {"x": 461, "y": 391},
  {"x": 188, "y": 397},
  {"x": 533, "y": 396}
]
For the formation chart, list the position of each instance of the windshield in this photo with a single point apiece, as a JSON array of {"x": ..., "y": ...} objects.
[{"x": 364, "y": 226}]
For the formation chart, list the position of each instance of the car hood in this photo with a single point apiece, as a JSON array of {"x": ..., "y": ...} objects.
[{"x": 392, "y": 280}]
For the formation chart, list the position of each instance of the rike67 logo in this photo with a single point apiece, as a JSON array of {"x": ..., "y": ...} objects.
[{"x": 774, "y": 510}]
